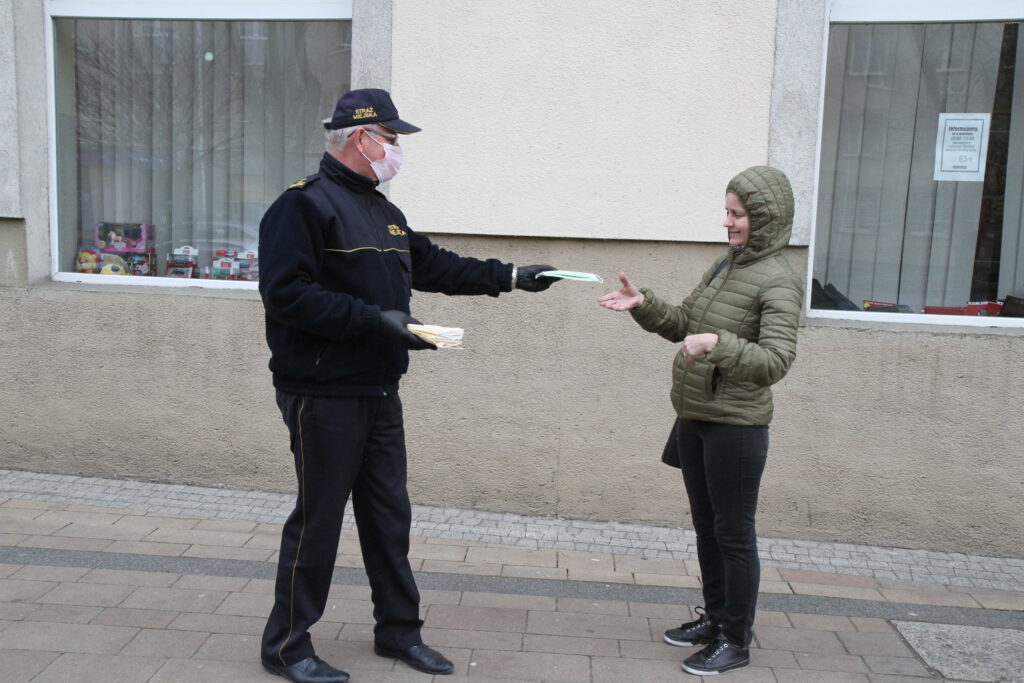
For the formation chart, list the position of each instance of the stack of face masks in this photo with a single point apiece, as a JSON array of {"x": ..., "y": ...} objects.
[
  {"x": 441, "y": 337},
  {"x": 571, "y": 275}
]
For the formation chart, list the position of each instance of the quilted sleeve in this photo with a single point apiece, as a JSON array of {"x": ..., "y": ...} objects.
[{"x": 658, "y": 316}]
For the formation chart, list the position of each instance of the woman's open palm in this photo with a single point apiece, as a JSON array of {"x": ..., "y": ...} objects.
[{"x": 625, "y": 299}]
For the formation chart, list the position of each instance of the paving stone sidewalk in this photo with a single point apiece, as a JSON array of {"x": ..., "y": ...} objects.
[
  {"x": 896, "y": 564},
  {"x": 106, "y": 580}
]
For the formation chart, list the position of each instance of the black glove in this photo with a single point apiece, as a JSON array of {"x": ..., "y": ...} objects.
[
  {"x": 393, "y": 328},
  {"x": 527, "y": 280}
]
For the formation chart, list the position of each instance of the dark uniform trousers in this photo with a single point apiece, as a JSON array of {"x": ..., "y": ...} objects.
[{"x": 343, "y": 445}]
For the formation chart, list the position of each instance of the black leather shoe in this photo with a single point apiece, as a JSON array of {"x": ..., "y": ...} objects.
[
  {"x": 419, "y": 657},
  {"x": 309, "y": 670}
]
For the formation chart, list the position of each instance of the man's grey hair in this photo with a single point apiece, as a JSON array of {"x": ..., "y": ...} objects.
[{"x": 336, "y": 139}]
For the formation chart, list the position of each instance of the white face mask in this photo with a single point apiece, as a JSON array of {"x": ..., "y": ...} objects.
[{"x": 387, "y": 167}]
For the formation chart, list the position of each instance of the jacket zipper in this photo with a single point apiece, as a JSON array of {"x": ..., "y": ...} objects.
[
  {"x": 703, "y": 313},
  {"x": 383, "y": 257},
  {"x": 383, "y": 260},
  {"x": 728, "y": 272}
]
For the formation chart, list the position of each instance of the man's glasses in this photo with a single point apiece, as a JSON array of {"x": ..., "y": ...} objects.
[{"x": 390, "y": 137}]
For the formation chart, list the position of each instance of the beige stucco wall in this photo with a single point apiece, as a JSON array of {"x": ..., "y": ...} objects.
[
  {"x": 579, "y": 118},
  {"x": 892, "y": 436}
]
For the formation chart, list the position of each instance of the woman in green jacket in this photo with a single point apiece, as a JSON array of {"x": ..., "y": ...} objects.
[{"x": 738, "y": 333}]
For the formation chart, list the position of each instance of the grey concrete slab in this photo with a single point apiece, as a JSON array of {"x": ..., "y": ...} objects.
[
  {"x": 969, "y": 653},
  {"x": 476, "y": 639},
  {"x": 178, "y": 670},
  {"x": 531, "y": 666},
  {"x": 23, "y": 665},
  {"x": 99, "y": 668},
  {"x": 179, "y": 599},
  {"x": 12, "y": 590},
  {"x": 76, "y": 638},
  {"x": 96, "y": 594},
  {"x": 588, "y": 626}
]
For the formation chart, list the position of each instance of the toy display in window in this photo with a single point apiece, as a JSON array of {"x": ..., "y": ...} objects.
[
  {"x": 229, "y": 264},
  {"x": 248, "y": 265},
  {"x": 183, "y": 262},
  {"x": 120, "y": 249}
]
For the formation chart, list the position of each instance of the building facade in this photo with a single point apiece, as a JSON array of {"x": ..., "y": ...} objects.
[{"x": 138, "y": 154}]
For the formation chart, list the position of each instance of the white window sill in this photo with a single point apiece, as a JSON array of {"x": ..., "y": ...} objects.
[
  {"x": 911, "y": 320},
  {"x": 153, "y": 281}
]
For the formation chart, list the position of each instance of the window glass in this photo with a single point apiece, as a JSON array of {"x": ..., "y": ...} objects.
[
  {"x": 922, "y": 170},
  {"x": 173, "y": 137}
]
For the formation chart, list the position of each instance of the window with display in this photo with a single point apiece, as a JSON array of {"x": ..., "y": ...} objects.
[
  {"x": 173, "y": 136},
  {"x": 921, "y": 182}
]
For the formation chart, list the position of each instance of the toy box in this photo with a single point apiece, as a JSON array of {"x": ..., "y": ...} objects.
[
  {"x": 140, "y": 263},
  {"x": 183, "y": 262},
  {"x": 248, "y": 265},
  {"x": 224, "y": 268},
  {"x": 229, "y": 264},
  {"x": 125, "y": 237}
]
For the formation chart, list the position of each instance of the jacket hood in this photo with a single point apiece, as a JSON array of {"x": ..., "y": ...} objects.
[{"x": 768, "y": 198}]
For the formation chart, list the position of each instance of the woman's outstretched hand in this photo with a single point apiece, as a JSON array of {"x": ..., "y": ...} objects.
[{"x": 627, "y": 298}]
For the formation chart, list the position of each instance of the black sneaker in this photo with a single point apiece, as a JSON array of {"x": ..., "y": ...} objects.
[
  {"x": 699, "y": 632},
  {"x": 717, "y": 658}
]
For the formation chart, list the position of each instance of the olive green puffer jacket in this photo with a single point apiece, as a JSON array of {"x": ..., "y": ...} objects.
[{"x": 753, "y": 305}]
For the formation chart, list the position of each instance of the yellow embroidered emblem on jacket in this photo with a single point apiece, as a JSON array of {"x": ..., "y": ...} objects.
[
  {"x": 297, "y": 183},
  {"x": 395, "y": 230}
]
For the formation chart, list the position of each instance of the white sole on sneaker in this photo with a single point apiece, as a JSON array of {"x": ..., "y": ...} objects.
[
  {"x": 705, "y": 672},
  {"x": 682, "y": 643}
]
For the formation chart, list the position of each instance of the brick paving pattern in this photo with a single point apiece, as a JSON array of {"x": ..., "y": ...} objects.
[{"x": 107, "y": 580}]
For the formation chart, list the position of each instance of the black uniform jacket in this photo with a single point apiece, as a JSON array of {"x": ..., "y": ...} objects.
[{"x": 334, "y": 253}]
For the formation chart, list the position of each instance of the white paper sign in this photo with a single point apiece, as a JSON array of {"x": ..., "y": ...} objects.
[{"x": 961, "y": 146}]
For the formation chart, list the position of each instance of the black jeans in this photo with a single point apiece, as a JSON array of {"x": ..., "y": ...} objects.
[
  {"x": 722, "y": 466},
  {"x": 344, "y": 445}
]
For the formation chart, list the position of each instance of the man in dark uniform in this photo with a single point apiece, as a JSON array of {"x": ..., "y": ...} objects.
[{"x": 337, "y": 265}]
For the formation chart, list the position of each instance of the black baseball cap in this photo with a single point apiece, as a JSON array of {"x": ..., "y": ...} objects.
[{"x": 368, "y": 105}]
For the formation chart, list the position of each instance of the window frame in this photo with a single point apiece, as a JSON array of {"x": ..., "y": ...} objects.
[
  {"x": 197, "y": 10},
  {"x": 883, "y": 12}
]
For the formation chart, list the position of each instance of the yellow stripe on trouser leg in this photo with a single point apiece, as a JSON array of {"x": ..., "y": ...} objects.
[{"x": 298, "y": 548}]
